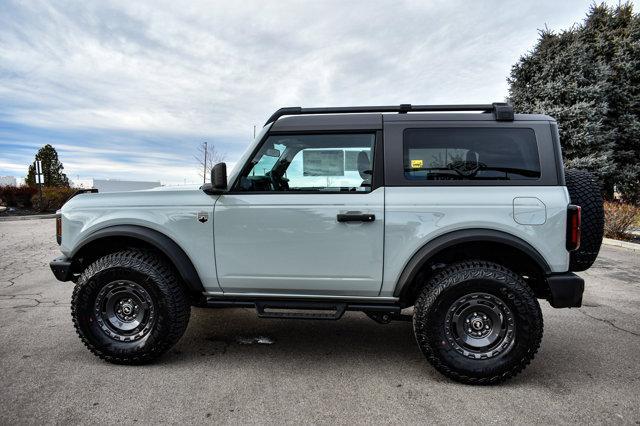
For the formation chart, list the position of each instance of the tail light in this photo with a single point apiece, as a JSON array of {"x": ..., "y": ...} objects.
[
  {"x": 574, "y": 220},
  {"x": 58, "y": 228}
]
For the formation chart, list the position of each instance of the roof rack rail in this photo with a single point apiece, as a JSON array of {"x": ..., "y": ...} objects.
[{"x": 501, "y": 111}]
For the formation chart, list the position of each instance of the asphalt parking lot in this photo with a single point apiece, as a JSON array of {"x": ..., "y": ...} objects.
[{"x": 349, "y": 371}]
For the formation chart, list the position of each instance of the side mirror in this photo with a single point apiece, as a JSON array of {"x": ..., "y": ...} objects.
[{"x": 219, "y": 176}]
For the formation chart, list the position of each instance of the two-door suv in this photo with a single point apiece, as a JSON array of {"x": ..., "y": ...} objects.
[{"x": 463, "y": 212}]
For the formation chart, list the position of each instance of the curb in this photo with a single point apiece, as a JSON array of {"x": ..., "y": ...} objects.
[
  {"x": 623, "y": 244},
  {"x": 28, "y": 217}
]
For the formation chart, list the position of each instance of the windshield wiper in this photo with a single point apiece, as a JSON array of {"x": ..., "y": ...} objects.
[{"x": 522, "y": 172}]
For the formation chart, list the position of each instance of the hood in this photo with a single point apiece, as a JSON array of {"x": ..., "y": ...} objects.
[
  {"x": 192, "y": 187},
  {"x": 176, "y": 196}
]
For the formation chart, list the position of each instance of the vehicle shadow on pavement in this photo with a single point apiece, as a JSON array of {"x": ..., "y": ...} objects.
[
  {"x": 241, "y": 332},
  {"x": 240, "y": 340}
]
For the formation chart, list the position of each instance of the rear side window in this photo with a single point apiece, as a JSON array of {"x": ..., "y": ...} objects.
[{"x": 470, "y": 154}]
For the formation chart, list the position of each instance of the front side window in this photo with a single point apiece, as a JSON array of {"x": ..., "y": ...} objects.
[
  {"x": 322, "y": 163},
  {"x": 470, "y": 154}
]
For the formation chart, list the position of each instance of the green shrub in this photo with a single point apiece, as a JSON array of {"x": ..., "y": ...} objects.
[
  {"x": 52, "y": 198},
  {"x": 618, "y": 218},
  {"x": 17, "y": 196}
]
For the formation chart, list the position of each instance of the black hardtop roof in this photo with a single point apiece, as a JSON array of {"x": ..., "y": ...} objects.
[
  {"x": 296, "y": 118},
  {"x": 361, "y": 115},
  {"x": 501, "y": 111}
]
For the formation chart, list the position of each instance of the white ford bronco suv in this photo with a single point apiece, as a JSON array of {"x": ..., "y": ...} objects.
[{"x": 463, "y": 212}]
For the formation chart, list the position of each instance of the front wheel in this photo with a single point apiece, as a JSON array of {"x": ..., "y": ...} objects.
[
  {"x": 478, "y": 323},
  {"x": 129, "y": 308}
]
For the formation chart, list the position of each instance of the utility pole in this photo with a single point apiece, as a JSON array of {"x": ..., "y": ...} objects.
[
  {"x": 254, "y": 131},
  {"x": 204, "y": 174}
]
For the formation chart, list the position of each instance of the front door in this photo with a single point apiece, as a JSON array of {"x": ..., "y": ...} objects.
[{"x": 304, "y": 217}]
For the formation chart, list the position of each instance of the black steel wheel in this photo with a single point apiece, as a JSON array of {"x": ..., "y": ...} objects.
[
  {"x": 478, "y": 322},
  {"x": 129, "y": 307},
  {"x": 124, "y": 310},
  {"x": 480, "y": 325}
]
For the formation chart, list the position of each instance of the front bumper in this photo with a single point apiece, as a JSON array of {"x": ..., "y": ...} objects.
[
  {"x": 565, "y": 290},
  {"x": 62, "y": 268}
]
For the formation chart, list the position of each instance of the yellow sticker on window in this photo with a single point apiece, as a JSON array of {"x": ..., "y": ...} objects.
[{"x": 416, "y": 164}]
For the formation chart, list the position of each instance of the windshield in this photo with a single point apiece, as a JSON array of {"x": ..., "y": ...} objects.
[{"x": 235, "y": 169}]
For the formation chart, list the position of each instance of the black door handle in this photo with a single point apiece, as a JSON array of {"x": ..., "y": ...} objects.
[{"x": 356, "y": 217}]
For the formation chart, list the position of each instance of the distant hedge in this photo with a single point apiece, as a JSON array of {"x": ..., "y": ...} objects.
[
  {"x": 27, "y": 197},
  {"x": 17, "y": 196},
  {"x": 52, "y": 198}
]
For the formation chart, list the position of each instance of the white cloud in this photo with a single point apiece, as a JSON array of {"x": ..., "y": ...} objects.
[
  {"x": 195, "y": 70},
  {"x": 13, "y": 168}
]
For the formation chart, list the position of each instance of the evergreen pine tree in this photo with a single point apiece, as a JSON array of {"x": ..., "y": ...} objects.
[
  {"x": 587, "y": 77},
  {"x": 51, "y": 169}
]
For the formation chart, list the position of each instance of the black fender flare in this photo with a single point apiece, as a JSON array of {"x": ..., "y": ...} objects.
[
  {"x": 453, "y": 238},
  {"x": 157, "y": 239}
]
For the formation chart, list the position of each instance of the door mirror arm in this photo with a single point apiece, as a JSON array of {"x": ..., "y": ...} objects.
[{"x": 208, "y": 189}]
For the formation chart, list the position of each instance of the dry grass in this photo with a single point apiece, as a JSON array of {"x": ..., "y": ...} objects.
[{"x": 619, "y": 218}]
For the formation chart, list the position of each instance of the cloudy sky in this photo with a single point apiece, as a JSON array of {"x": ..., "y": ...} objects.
[{"x": 128, "y": 89}]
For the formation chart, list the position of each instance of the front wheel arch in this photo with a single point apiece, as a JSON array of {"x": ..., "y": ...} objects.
[{"x": 119, "y": 237}]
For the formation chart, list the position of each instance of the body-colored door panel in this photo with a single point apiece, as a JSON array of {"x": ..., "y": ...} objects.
[{"x": 293, "y": 243}]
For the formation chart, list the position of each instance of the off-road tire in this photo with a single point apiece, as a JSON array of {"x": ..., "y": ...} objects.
[
  {"x": 156, "y": 279},
  {"x": 466, "y": 279},
  {"x": 584, "y": 191}
]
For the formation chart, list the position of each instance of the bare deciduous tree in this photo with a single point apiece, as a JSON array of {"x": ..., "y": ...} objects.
[{"x": 207, "y": 156}]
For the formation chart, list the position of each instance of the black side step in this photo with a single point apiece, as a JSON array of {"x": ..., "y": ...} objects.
[
  {"x": 318, "y": 309},
  {"x": 300, "y": 310}
]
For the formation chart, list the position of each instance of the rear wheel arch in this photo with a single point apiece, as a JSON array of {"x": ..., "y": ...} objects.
[
  {"x": 472, "y": 244},
  {"x": 118, "y": 237}
]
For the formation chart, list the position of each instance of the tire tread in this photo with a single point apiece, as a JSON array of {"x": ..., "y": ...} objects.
[
  {"x": 177, "y": 302},
  {"x": 584, "y": 191},
  {"x": 449, "y": 277}
]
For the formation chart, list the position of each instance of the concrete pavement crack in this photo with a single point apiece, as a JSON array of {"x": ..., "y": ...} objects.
[
  {"x": 611, "y": 323},
  {"x": 12, "y": 280},
  {"x": 40, "y": 302}
]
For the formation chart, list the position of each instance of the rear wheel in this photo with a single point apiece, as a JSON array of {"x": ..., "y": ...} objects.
[
  {"x": 129, "y": 308},
  {"x": 478, "y": 323}
]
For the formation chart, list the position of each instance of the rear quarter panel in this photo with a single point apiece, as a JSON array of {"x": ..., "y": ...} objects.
[{"x": 416, "y": 215}]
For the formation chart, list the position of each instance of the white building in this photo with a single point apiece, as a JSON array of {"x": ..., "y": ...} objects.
[
  {"x": 8, "y": 181},
  {"x": 112, "y": 185},
  {"x": 81, "y": 183}
]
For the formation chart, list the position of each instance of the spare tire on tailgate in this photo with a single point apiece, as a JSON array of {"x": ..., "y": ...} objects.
[{"x": 584, "y": 191}]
